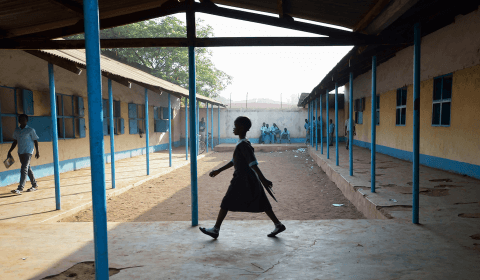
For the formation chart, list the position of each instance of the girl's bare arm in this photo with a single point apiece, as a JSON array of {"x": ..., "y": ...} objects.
[
  {"x": 261, "y": 177},
  {"x": 225, "y": 167}
]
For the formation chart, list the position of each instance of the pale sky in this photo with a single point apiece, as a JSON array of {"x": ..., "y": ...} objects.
[{"x": 265, "y": 72}]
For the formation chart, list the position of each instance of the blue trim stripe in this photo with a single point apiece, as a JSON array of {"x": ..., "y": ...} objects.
[
  {"x": 459, "y": 167},
  {"x": 13, "y": 176}
]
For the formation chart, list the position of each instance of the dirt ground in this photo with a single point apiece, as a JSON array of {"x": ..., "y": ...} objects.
[{"x": 302, "y": 189}]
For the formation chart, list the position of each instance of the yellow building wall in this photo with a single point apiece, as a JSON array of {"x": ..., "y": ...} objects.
[{"x": 459, "y": 141}]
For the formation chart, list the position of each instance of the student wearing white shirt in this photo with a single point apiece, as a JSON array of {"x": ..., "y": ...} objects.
[
  {"x": 347, "y": 131},
  {"x": 26, "y": 138},
  {"x": 285, "y": 135}
]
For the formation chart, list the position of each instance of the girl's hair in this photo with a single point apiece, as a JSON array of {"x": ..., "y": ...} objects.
[
  {"x": 244, "y": 122},
  {"x": 23, "y": 116}
]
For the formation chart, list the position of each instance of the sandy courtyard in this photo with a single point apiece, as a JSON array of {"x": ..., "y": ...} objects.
[{"x": 302, "y": 189}]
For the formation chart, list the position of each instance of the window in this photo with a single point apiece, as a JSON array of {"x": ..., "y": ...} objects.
[
  {"x": 359, "y": 107},
  {"x": 442, "y": 100},
  {"x": 401, "y": 110},
  {"x": 136, "y": 118},
  {"x": 160, "y": 125},
  {"x": 70, "y": 111},
  {"x": 118, "y": 123},
  {"x": 378, "y": 110},
  {"x": 8, "y": 113}
]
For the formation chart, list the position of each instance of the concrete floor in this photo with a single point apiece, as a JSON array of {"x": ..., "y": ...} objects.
[
  {"x": 33, "y": 246},
  {"x": 262, "y": 148},
  {"x": 331, "y": 249},
  {"x": 75, "y": 188}
]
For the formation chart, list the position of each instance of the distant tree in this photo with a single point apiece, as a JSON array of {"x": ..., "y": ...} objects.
[{"x": 170, "y": 64}]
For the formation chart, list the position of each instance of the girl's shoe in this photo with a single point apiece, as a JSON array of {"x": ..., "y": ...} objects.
[
  {"x": 17, "y": 191},
  {"x": 277, "y": 230},
  {"x": 32, "y": 189},
  {"x": 213, "y": 232}
]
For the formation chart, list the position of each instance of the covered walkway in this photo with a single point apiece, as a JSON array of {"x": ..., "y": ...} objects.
[
  {"x": 39, "y": 206},
  {"x": 449, "y": 203}
]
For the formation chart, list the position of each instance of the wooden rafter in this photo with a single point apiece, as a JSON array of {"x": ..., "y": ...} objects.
[
  {"x": 43, "y": 44},
  {"x": 370, "y": 15},
  {"x": 69, "y": 5},
  {"x": 60, "y": 62}
]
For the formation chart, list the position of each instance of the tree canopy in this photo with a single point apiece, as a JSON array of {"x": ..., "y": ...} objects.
[{"x": 170, "y": 64}]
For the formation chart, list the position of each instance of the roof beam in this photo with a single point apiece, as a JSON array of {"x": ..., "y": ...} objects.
[
  {"x": 60, "y": 62},
  {"x": 391, "y": 13},
  {"x": 371, "y": 15},
  {"x": 70, "y": 5},
  {"x": 167, "y": 8},
  {"x": 212, "y": 9},
  {"x": 30, "y": 44},
  {"x": 119, "y": 79}
]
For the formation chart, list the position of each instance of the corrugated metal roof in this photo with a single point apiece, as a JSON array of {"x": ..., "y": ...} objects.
[{"x": 128, "y": 72}]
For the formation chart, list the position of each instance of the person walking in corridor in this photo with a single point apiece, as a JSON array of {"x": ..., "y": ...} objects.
[
  {"x": 331, "y": 129},
  {"x": 26, "y": 138},
  {"x": 245, "y": 193}
]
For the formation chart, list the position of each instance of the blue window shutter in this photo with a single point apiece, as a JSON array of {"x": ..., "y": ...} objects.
[
  {"x": 105, "y": 108},
  {"x": 81, "y": 107},
  {"x": 81, "y": 127},
  {"x": 133, "y": 126},
  {"x": 27, "y": 98},
  {"x": 105, "y": 126},
  {"x": 121, "y": 129},
  {"x": 161, "y": 126},
  {"x": 42, "y": 126},
  {"x": 164, "y": 113},
  {"x": 132, "y": 111},
  {"x": 155, "y": 113}
]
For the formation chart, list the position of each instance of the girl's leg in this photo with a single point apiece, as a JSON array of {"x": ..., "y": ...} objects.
[
  {"x": 221, "y": 216},
  {"x": 272, "y": 216}
]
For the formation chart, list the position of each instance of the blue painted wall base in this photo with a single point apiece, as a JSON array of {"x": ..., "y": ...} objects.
[
  {"x": 13, "y": 176},
  {"x": 459, "y": 167}
]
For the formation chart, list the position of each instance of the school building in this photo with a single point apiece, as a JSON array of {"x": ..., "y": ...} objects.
[
  {"x": 449, "y": 101},
  {"x": 24, "y": 89}
]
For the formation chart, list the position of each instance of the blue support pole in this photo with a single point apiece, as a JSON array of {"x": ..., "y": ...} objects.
[
  {"x": 374, "y": 125},
  {"x": 311, "y": 124},
  {"x": 169, "y": 131},
  {"x": 112, "y": 132},
  {"x": 218, "y": 124},
  {"x": 416, "y": 122},
  {"x": 211, "y": 127},
  {"x": 206, "y": 128},
  {"x": 186, "y": 128},
  {"x": 316, "y": 123},
  {"x": 95, "y": 123},
  {"x": 147, "y": 132},
  {"x": 350, "y": 135},
  {"x": 321, "y": 126},
  {"x": 336, "y": 124},
  {"x": 198, "y": 126},
  {"x": 193, "y": 133},
  {"x": 53, "y": 109},
  {"x": 328, "y": 125}
]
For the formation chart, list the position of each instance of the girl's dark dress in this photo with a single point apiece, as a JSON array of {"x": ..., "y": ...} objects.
[{"x": 245, "y": 193}]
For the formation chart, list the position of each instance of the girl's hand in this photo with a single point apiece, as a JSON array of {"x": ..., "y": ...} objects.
[
  {"x": 267, "y": 183},
  {"x": 214, "y": 173}
]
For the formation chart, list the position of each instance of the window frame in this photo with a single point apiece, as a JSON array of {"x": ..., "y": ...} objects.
[
  {"x": 116, "y": 119},
  {"x": 400, "y": 107},
  {"x": 15, "y": 115},
  {"x": 442, "y": 100},
  {"x": 138, "y": 119},
  {"x": 62, "y": 117},
  {"x": 359, "y": 108}
]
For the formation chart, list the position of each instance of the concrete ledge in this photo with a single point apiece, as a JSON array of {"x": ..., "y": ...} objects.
[
  {"x": 115, "y": 192},
  {"x": 369, "y": 209},
  {"x": 263, "y": 148}
]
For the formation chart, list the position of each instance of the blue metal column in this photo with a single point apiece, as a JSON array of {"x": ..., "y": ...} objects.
[
  {"x": 211, "y": 127},
  {"x": 218, "y": 124},
  {"x": 350, "y": 135},
  {"x": 316, "y": 123},
  {"x": 193, "y": 133},
  {"x": 321, "y": 126},
  {"x": 53, "y": 109},
  {"x": 374, "y": 125},
  {"x": 198, "y": 126},
  {"x": 186, "y": 128},
  {"x": 416, "y": 121},
  {"x": 311, "y": 125},
  {"x": 206, "y": 128},
  {"x": 95, "y": 123},
  {"x": 169, "y": 131},
  {"x": 112, "y": 132},
  {"x": 147, "y": 132},
  {"x": 327, "y": 121},
  {"x": 336, "y": 124}
]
